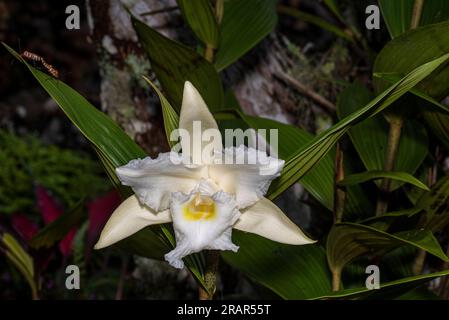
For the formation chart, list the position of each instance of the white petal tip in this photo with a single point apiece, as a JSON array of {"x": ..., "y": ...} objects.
[{"x": 267, "y": 220}]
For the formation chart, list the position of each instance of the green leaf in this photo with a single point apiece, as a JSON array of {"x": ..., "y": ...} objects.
[
  {"x": 171, "y": 118},
  {"x": 436, "y": 205},
  {"x": 97, "y": 127},
  {"x": 20, "y": 259},
  {"x": 292, "y": 272},
  {"x": 145, "y": 244},
  {"x": 412, "y": 49},
  {"x": 439, "y": 124},
  {"x": 310, "y": 18},
  {"x": 244, "y": 24},
  {"x": 199, "y": 14},
  {"x": 347, "y": 241},
  {"x": 300, "y": 272},
  {"x": 372, "y": 147},
  {"x": 397, "y": 14},
  {"x": 332, "y": 5},
  {"x": 306, "y": 157},
  {"x": 393, "y": 77},
  {"x": 174, "y": 63},
  {"x": 357, "y": 178},
  {"x": 113, "y": 145},
  {"x": 319, "y": 180},
  {"x": 388, "y": 290},
  {"x": 58, "y": 229}
]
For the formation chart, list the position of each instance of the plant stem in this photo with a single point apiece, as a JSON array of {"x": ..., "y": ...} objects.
[
  {"x": 339, "y": 192},
  {"x": 394, "y": 136},
  {"x": 219, "y": 10},
  {"x": 34, "y": 294},
  {"x": 416, "y": 14},
  {"x": 210, "y": 277},
  {"x": 209, "y": 53},
  {"x": 336, "y": 279},
  {"x": 418, "y": 264}
]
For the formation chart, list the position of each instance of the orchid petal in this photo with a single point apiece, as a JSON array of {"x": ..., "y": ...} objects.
[
  {"x": 194, "y": 112},
  {"x": 206, "y": 232},
  {"x": 153, "y": 180},
  {"x": 130, "y": 217},
  {"x": 245, "y": 172},
  {"x": 267, "y": 220}
]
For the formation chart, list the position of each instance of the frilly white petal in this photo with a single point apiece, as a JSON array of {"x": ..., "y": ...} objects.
[
  {"x": 127, "y": 219},
  {"x": 153, "y": 180},
  {"x": 194, "y": 109},
  {"x": 198, "y": 235},
  {"x": 245, "y": 172},
  {"x": 267, "y": 220}
]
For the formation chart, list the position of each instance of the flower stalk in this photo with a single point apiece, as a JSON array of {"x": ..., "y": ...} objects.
[{"x": 210, "y": 277}]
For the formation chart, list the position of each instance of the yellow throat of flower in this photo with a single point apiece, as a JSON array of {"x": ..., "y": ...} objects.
[{"x": 200, "y": 208}]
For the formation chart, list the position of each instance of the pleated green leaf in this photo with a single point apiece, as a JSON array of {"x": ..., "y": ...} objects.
[
  {"x": 398, "y": 13},
  {"x": 316, "y": 20},
  {"x": 113, "y": 145},
  {"x": 358, "y": 178},
  {"x": 200, "y": 16},
  {"x": 97, "y": 127},
  {"x": 439, "y": 124},
  {"x": 389, "y": 290},
  {"x": 171, "y": 118},
  {"x": 348, "y": 241},
  {"x": 370, "y": 137},
  {"x": 319, "y": 180},
  {"x": 292, "y": 272},
  {"x": 244, "y": 24},
  {"x": 306, "y": 157},
  {"x": 412, "y": 49},
  {"x": 174, "y": 63},
  {"x": 435, "y": 204}
]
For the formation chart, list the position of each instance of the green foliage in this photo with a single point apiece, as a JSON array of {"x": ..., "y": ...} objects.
[
  {"x": 17, "y": 255},
  {"x": 26, "y": 162},
  {"x": 184, "y": 65},
  {"x": 411, "y": 70},
  {"x": 244, "y": 24}
]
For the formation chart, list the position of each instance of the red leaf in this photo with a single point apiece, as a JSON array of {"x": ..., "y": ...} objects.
[
  {"x": 49, "y": 208},
  {"x": 24, "y": 226},
  {"x": 99, "y": 211},
  {"x": 65, "y": 245}
]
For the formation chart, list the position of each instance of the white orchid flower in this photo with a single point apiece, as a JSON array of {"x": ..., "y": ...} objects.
[{"x": 204, "y": 201}]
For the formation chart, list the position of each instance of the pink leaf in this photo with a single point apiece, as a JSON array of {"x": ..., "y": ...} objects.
[
  {"x": 24, "y": 226},
  {"x": 99, "y": 211},
  {"x": 49, "y": 208}
]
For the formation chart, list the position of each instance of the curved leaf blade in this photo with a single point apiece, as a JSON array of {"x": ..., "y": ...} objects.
[
  {"x": 171, "y": 118},
  {"x": 244, "y": 24},
  {"x": 347, "y": 241},
  {"x": 293, "y": 272},
  {"x": 200, "y": 16},
  {"x": 305, "y": 158},
  {"x": 358, "y": 178},
  {"x": 174, "y": 63}
]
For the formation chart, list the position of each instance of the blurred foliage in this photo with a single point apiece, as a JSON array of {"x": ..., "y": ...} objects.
[{"x": 27, "y": 162}]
